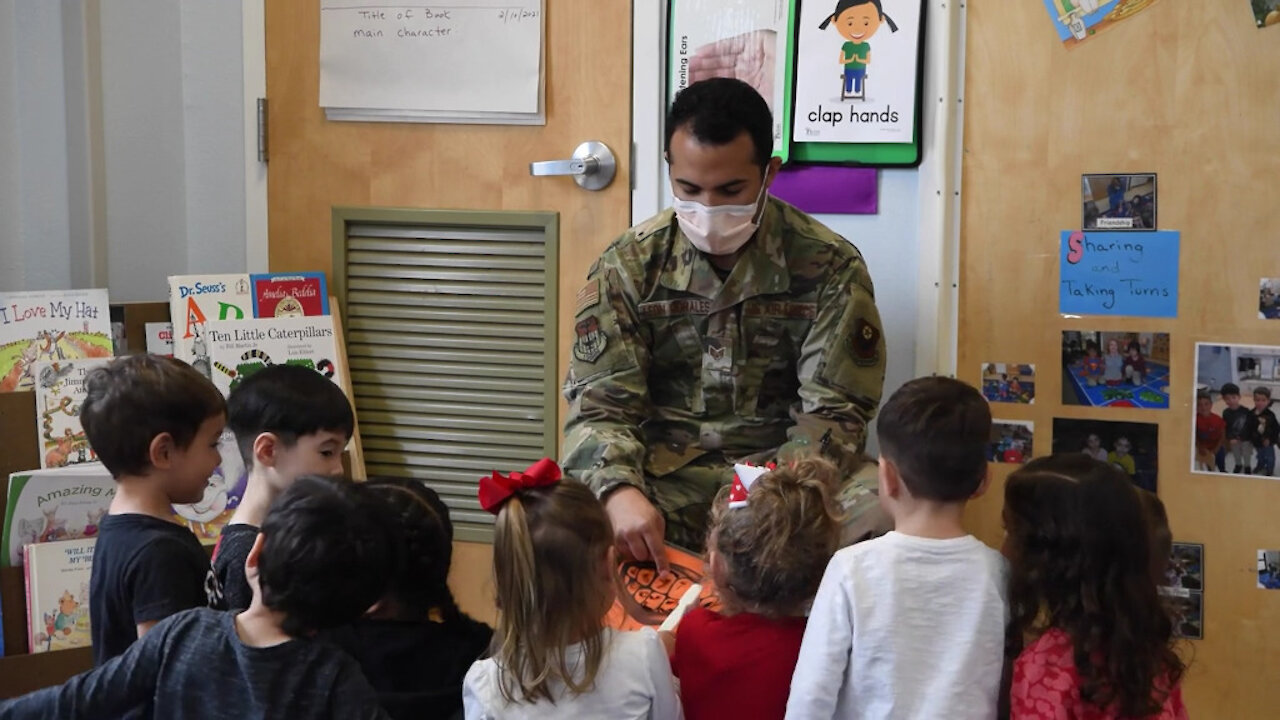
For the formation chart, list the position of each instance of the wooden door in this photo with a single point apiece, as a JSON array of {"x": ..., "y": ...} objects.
[{"x": 316, "y": 165}]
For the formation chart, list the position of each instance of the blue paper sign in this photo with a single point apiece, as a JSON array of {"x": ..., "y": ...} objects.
[{"x": 1129, "y": 273}]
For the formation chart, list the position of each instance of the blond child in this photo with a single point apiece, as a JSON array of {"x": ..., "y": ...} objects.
[
  {"x": 552, "y": 657},
  {"x": 766, "y": 554}
]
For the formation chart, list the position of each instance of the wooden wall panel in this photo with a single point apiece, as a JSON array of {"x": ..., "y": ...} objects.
[{"x": 1189, "y": 90}]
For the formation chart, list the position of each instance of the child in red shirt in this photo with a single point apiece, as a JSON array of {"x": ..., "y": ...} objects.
[
  {"x": 1211, "y": 433},
  {"x": 1089, "y": 636},
  {"x": 766, "y": 556}
]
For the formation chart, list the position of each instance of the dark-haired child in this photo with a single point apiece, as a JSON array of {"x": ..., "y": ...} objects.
[
  {"x": 1088, "y": 634},
  {"x": 1211, "y": 432},
  {"x": 1266, "y": 431},
  {"x": 911, "y": 624},
  {"x": 288, "y": 421},
  {"x": 1239, "y": 429},
  {"x": 321, "y": 559},
  {"x": 154, "y": 422},
  {"x": 1135, "y": 366},
  {"x": 416, "y": 646},
  {"x": 766, "y": 555}
]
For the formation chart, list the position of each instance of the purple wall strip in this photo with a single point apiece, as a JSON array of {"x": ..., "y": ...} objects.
[{"x": 827, "y": 189}]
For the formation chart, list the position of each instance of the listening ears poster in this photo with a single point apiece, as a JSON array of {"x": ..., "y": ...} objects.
[{"x": 856, "y": 64}]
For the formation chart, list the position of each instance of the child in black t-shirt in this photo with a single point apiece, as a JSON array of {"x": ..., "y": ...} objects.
[
  {"x": 415, "y": 646},
  {"x": 154, "y": 422},
  {"x": 288, "y": 421},
  {"x": 322, "y": 558},
  {"x": 1239, "y": 432},
  {"x": 1266, "y": 431}
]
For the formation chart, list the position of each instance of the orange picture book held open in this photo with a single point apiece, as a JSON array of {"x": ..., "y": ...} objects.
[{"x": 646, "y": 598}]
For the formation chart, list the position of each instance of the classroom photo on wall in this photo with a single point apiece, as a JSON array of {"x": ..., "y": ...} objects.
[
  {"x": 1009, "y": 382},
  {"x": 1269, "y": 299},
  {"x": 1269, "y": 569},
  {"x": 1182, "y": 589},
  {"x": 1119, "y": 202},
  {"x": 1079, "y": 20},
  {"x": 1266, "y": 12},
  {"x": 1115, "y": 369},
  {"x": 1236, "y": 429},
  {"x": 1011, "y": 441},
  {"x": 1132, "y": 447}
]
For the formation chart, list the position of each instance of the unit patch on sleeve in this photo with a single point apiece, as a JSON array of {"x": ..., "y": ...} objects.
[{"x": 591, "y": 340}]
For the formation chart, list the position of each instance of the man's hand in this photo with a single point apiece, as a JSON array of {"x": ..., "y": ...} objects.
[
  {"x": 638, "y": 527},
  {"x": 748, "y": 57}
]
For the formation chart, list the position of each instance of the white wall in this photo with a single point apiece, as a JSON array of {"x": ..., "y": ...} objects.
[
  {"x": 168, "y": 134},
  {"x": 889, "y": 242}
]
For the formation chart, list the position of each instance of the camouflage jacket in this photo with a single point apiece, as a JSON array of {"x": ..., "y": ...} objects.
[{"x": 670, "y": 363}]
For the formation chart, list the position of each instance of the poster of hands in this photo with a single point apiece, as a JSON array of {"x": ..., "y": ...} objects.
[
  {"x": 745, "y": 40},
  {"x": 856, "y": 65}
]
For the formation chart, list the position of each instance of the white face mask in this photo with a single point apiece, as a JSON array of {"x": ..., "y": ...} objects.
[{"x": 719, "y": 229}]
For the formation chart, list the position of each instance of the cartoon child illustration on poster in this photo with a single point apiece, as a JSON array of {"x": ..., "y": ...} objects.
[
  {"x": 857, "y": 21},
  {"x": 876, "y": 46}
]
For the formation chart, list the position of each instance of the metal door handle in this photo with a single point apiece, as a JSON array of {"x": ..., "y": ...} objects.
[{"x": 592, "y": 166}]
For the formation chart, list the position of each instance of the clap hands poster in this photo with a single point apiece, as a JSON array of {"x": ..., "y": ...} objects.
[
  {"x": 742, "y": 39},
  {"x": 856, "y": 63}
]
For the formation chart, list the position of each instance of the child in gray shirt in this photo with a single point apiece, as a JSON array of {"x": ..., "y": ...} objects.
[{"x": 322, "y": 559}]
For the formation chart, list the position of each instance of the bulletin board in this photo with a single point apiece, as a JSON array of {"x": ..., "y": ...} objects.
[{"x": 1193, "y": 95}]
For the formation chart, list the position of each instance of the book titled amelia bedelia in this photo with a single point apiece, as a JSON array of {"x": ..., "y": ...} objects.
[
  {"x": 58, "y": 594},
  {"x": 289, "y": 294},
  {"x": 50, "y": 325},
  {"x": 60, "y": 390},
  {"x": 237, "y": 349},
  {"x": 197, "y": 299}
]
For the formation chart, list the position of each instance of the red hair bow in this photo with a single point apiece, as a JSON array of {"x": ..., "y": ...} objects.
[{"x": 495, "y": 489}]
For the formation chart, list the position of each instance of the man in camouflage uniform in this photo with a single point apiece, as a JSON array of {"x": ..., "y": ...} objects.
[{"x": 686, "y": 360}]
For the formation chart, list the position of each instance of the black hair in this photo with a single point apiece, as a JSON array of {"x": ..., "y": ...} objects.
[
  {"x": 419, "y": 521},
  {"x": 131, "y": 400},
  {"x": 288, "y": 401},
  {"x": 327, "y": 554},
  {"x": 717, "y": 110},
  {"x": 1092, "y": 345},
  {"x": 936, "y": 431},
  {"x": 1230, "y": 389},
  {"x": 843, "y": 5}
]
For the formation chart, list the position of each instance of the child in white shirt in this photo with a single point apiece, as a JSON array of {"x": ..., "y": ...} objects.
[
  {"x": 911, "y": 625},
  {"x": 552, "y": 656}
]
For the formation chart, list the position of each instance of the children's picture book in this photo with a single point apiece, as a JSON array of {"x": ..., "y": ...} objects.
[
  {"x": 60, "y": 390},
  {"x": 645, "y": 598},
  {"x": 57, "y": 576},
  {"x": 240, "y": 348},
  {"x": 50, "y": 325},
  {"x": 221, "y": 496},
  {"x": 197, "y": 299},
  {"x": 55, "y": 504},
  {"x": 289, "y": 294},
  {"x": 159, "y": 338}
]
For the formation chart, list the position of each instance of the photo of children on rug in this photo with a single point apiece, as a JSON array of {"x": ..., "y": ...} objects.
[
  {"x": 1269, "y": 569},
  {"x": 1119, "y": 202},
  {"x": 1115, "y": 369},
  {"x": 1009, "y": 382},
  {"x": 1011, "y": 441},
  {"x": 1269, "y": 299},
  {"x": 1236, "y": 427},
  {"x": 1132, "y": 447}
]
